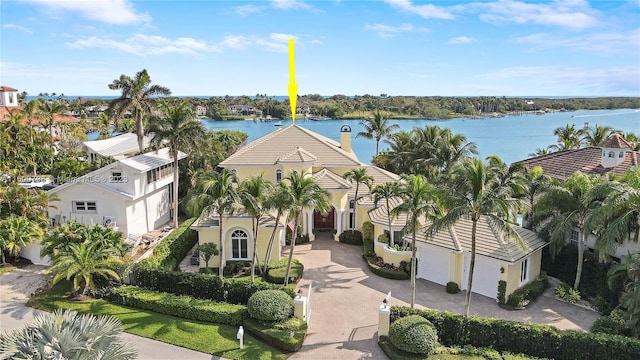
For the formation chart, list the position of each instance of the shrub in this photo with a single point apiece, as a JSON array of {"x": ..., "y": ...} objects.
[
  {"x": 516, "y": 300},
  {"x": 385, "y": 273},
  {"x": 275, "y": 273},
  {"x": 353, "y": 237},
  {"x": 270, "y": 305},
  {"x": 614, "y": 324},
  {"x": 528, "y": 293},
  {"x": 413, "y": 334},
  {"x": 452, "y": 287},
  {"x": 383, "y": 239},
  {"x": 567, "y": 293},
  {"x": 279, "y": 334},
  {"x": 367, "y": 247},
  {"x": 181, "y": 306},
  {"x": 367, "y": 230},
  {"x": 173, "y": 248},
  {"x": 502, "y": 290}
]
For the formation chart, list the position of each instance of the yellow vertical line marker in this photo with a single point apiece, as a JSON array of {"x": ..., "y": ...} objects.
[{"x": 292, "y": 87}]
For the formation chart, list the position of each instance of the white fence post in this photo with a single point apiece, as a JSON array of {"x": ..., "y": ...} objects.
[{"x": 384, "y": 316}]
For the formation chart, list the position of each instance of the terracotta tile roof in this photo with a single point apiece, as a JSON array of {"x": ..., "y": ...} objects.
[
  {"x": 268, "y": 149},
  {"x": 615, "y": 141},
  {"x": 5, "y": 110},
  {"x": 7, "y": 88},
  {"x": 490, "y": 242}
]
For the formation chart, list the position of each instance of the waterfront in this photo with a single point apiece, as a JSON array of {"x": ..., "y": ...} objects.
[{"x": 512, "y": 137}]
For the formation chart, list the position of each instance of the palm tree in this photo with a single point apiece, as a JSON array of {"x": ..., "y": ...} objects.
[
  {"x": 305, "y": 193},
  {"x": 358, "y": 176},
  {"x": 30, "y": 111},
  {"x": 50, "y": 110},
  {"x": 420, "y": 203},
  {"x": 15, "y": 233},
  {"x": 627, "y": 272},
  {"x": 65, "y": 334},
  {"x": 478, "y": 190},
  {"x": 137, "y": 97},
  {"x": 596, "y": 135},
  {"x": 216, "y": 192},
  {"x": 254, "y": 192},
  {"x": 564, "y": 207},
  {"x": 27, "y": 203},
  {"x": 377, "y": 127},
  {"x": 386, "y": 192},
  {"x": 82, "y": 263},
  {"x": 178, "y": 128},
  {"x": 279, "y": 199},
  {"x": 534, "y": 182},
  {"x": 568, "y": 138}
]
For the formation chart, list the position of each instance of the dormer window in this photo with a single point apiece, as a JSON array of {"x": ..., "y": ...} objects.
[{"x": 612, "y": 154}]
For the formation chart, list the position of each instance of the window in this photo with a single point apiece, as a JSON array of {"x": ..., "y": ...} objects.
[
  {"x": 159, "y": 173},
  {"x": 352, "y": 217},
  {"x": 84, "y": 207},
  {"x": 575, "y": 236},
  {"x": 116, "y": 176},
  {"x": 239, "y": 248},
  {"x": 621, "y": 154},
  {"x": 524, "y": 271},
  {"x": 278, "y": 175},
  {"x": 611, "y": 154}
]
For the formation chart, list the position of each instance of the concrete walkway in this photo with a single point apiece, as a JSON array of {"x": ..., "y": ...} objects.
[{"x": 346, "y": 296}]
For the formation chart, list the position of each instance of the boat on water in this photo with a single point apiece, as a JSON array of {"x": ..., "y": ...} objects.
[{"x": 278, "y": 123}]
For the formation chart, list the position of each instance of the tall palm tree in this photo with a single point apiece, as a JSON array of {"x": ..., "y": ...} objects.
[
  {"x": 103, "y": 125},
  {"x": 568, "y": 138},
  {"x": 305, "y": 193},
  {"x": 357, "y": 176},
  {"x": 534, "y": 182},
  {"x": 15, "y": 233},
  {"x": 596, "y": 135},
  {"x": 178, "y": 128},
  {"x": 564, "y": 207},
  {"x": 137, "y": 97},
  {"x": 479, "y": 189},
  {"x": 65, "y": 334},
  {"x": 82, "y": 264},
  {"x": 50, "y": 110},
  {"x": 216, "y": 192},
  {"x": 377, "y": 127},
  {"x": 281, "y": 200},
  {"x": 253, "y": 192},
  {"x": 30, "y": 111},
  {"x": 386, "y": 192},
  {"x": 420, "y": 203}
]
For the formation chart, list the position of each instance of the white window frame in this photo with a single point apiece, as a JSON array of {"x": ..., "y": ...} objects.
[
  {"x": 524, "y": 270},
  {"x": 237, "y": 238},
  {"x": 278, "y": 175},
  {"x": 351, "y": 217},
  {"x": 574, "y": 238},
  {"x": 84, "y": 207}
]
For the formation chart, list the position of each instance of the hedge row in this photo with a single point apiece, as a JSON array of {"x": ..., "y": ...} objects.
[
  {"x": 528, "y": 293},
  {"x": 385, "y": 273},
  {"x": 202, "y": 286},
  {"x": 181, "y": 306},
  {"x": 173, "y": 248},
  {"x": 277, "y": 270},
  {"x": 353, "y": 237},
  {"x": 531, "y": 339},
  {"x": 277, "y": 336}
]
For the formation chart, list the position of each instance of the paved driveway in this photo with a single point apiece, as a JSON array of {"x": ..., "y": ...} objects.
[{"x": 346, "y": 297}]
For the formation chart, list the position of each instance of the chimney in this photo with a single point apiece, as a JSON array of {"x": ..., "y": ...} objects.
[{"x": 345, "y": 138}]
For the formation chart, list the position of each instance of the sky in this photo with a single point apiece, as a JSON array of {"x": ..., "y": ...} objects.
[{"x": 394, "y": 47}]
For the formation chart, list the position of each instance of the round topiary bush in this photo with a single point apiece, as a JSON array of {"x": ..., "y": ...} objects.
[
  {"x": 270, "y": 305},
  {"x": 452, "y": 287},
  {"x": 413, "y": 334}
]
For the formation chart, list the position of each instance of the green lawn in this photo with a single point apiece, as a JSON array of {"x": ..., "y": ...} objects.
[{"x": 208, "y": 338}]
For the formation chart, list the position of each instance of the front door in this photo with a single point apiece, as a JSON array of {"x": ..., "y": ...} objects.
[{"x": 324, "y": 221}]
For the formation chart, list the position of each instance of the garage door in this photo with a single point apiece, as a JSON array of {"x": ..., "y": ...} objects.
[
  {"x": 485, "y": 277},
  {"x": 433, "y": 265}
]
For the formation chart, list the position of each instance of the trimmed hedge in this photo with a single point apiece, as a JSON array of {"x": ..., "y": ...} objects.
[
  {"x": 353, "y": 237},
  {"x": 201, "y": 286},
  {"x": 528, "y": 293},
  {"x": 530, "y": 339},
  {"x": 181, "y": 306},
  {"x": 173, "y": 248},
  {"x": 490, "y": 354},
  {"x": 279, "y": 335},
  {"x": 276, "y": 271},
  {"x": 270, "y": 305},
  {"x": 453, "y": 287},
  {"x": 385, "y": 273},
  {"x": 413, "y": 334}
]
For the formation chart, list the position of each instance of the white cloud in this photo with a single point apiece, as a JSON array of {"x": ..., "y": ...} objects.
[
  {"x": 572, "y": 14},
  {"x": 427, "y": 11},
  {"x": 461, "y": 40},
  {"x": 147, "y": 45},
  {"x": 604, "y": 44},
  {"x": 389, "y": 31},
  {"x": 238, "y": 42},
  {"x": 119, "y": 12},
  {"x": 276, "y": 42},
  {"x": 18, "y": 27},
  {"x": 290, "y": 4},
  {"x": 315, "y": 42},
  {"x": 246, "y": 10}
]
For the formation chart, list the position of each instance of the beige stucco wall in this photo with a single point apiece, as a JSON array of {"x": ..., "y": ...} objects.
[
  {"x": 391, "y": 256},
  {"x": 512, "y": 272}
]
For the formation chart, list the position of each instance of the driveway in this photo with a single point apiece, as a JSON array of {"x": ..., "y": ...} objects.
[{"x": 346, "y": 296}]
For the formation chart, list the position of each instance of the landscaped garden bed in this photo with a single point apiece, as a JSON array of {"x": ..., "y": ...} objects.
[{"x": 385, "y": 270}]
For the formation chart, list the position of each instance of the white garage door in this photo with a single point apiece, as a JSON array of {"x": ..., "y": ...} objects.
[
  {"x": 433, "y": 265},
  {"x": 485, "y": 276}
]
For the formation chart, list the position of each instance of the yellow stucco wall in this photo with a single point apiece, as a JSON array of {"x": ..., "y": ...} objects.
[
  {"x": 391, "y": 256},
  {"x": 512, "y": 272}
]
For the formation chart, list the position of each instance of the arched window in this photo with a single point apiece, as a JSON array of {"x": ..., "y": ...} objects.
[
  {"x": 621, "y": 154},
  {"x": 611, "y": 154},
  {"x": 278, "y": 175},
  {"x": 239, "y": 245},
  {"x": 352, "y": 217}
]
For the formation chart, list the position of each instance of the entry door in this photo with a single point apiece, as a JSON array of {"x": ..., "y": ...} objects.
[{"x": 323, "y": 221}]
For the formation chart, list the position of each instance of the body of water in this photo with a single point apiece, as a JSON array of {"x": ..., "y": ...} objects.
[{"x": 512, "y": 137}]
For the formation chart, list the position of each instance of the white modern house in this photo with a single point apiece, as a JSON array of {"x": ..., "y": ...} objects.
[
  {"x": 118, "y": 147},
  {"x": 133, "y": 195}
]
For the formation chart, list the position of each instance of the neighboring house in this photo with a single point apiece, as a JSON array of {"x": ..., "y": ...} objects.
[
  {"x": 613, "y": 156},
  {"x": 245, "y": 110},
  {"x": 133, "y": 195},
  {"x": 118, "y": 147},
  {"x": 8, "y": 97},
  {"x": 201, "y": 110}
]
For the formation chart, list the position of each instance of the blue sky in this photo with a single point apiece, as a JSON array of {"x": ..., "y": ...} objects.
[{"x": 396, "y": 47}]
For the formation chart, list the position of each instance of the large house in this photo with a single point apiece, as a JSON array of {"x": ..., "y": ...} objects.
[
  {"x": 118, "y": 147},
  {"x": 613, "y": 156},
  {"x": 293, "y": 147}
]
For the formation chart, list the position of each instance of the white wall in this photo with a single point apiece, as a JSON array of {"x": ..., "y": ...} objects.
[
  {"x": 32, "y": 252},
  {"x": 148, "y": 212}
]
